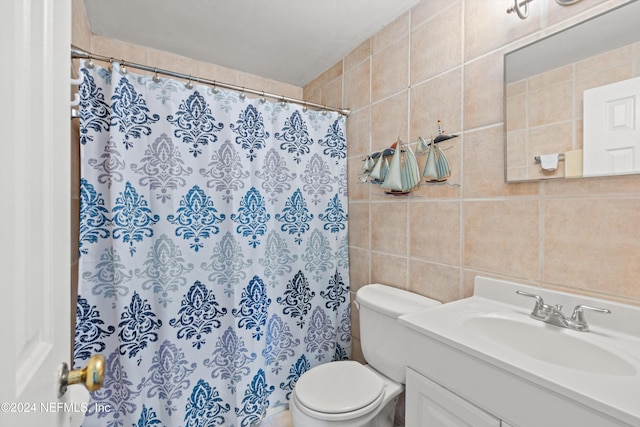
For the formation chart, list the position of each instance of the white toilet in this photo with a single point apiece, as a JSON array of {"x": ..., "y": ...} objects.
[{"x": 349, "y": 394}]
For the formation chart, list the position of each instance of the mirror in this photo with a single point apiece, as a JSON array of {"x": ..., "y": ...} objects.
[{"x": 544, "y": 92}]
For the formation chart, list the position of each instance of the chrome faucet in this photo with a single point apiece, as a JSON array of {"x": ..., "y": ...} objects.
[{"x": 554, "y": 316}]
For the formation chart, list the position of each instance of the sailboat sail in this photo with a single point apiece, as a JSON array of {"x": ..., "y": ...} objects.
[
  {"x": 437, "y": 166},
  {"x": 367, "y": 164},
  {"x": 403, "y": 175},
  {"x": 421, "y": 146}
]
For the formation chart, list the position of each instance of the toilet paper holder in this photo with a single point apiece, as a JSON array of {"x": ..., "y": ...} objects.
[{"x": 560, "y": 157}]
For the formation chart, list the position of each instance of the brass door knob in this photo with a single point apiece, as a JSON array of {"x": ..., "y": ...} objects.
[{"x": 91, "y": 376}]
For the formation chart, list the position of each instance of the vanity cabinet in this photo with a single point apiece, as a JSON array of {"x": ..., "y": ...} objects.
[
  {"x": 483, "y": 361},
  {"x": 447, "y": 386},
  {"x": 431, "y": 405}
]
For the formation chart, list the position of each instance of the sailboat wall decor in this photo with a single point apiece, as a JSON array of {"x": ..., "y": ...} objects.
[
  {"x": 437, "y": 166},
  {"x": 403, "y": 175},
  {"x": 396, "y": 168},
  {"x": 376, "y": 165}
]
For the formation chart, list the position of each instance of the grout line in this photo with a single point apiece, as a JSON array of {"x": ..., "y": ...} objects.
[{"x": 462, "y": 151}]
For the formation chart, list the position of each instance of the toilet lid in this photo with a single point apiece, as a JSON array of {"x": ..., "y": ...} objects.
[{"x": 338, "y": 387}]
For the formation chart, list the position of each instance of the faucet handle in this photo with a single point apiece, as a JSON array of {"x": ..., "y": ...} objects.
[
  {"x": 578, "y": 313},
  {"x": 540, "y": 306},
  {"x": 527, "y": 294},
  {"x": 539, "y": 300}
]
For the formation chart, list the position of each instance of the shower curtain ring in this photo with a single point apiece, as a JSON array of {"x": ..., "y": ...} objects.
[
  {"x": 324, "y": 110},
  {"x": 283, "y": 102},
  {"x": 89, "y": 64},
  {"x": 215, "y": 88},
  {"x": 263, "y": 99},
  {"x": 304, "y": 107},
  {"x": 123, "y": 69},
  {"x": 156, "y": 79},
  {"x": 189, "y": 84},
  {"x": 111, "y": 64},
  {"x": 242, "y": 94}
]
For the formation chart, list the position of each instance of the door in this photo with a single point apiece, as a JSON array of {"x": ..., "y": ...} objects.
[
  {"x": 612, "y": 129},
  {"x": 35, "y": 37}
]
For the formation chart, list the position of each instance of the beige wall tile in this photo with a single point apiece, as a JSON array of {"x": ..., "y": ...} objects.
[
  {"x": 80, "y": 32},
  {"x": 359, "y": 268},
  {"x": 359, "y": 132},
  {"x": 596, "y": 187},
  {"x": 357, "y": 86},
  {"x": 437, "y": 46},
  {"x": 516, "y": 149},
  {"x": 554, "y": 138},
  {"x": 550, "y": 104},
  {"x": 516, "y": 112},
  {"x": 357, "y": 55},
  {"x": 390, "y": 34},
  {"x": 437, "y": 99},
  {"x": 390, "y": 67},
  {"x": 428, "y": 10},
  {"x": 389, "y": 270},
  {"x": 356, "y": 188},
  {"x": 593, "y": 245},
  {"x": 483, "y": 91},
  {"x": 389, "y": 227},
  {"x": 389, "y": 120},
  {"x": 502, "y": 236},
  {"x": 359, "y": 225},
  {"x": 437, "y": 281},
  {"x": 484, "y": 166},
  {"x": 434, "y": 231},
  {"x": 332, "y": 93},
  {"x": 490, "y": 27}
]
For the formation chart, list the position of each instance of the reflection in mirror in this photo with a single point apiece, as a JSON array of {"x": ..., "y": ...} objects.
[{"x": 544, "y": 91}]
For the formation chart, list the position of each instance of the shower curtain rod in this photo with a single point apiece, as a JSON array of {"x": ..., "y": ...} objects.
[{"x": 79, "y": 53}]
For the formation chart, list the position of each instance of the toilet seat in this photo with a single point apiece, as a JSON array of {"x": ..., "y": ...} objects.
[{"x": 343, "y": 387}]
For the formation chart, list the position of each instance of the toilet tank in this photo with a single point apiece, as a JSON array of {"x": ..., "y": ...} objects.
[{"x": 382, "y": 338}]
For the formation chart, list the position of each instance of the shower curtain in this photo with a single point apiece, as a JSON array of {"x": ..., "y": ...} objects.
[{"x": 213, "y": 249}]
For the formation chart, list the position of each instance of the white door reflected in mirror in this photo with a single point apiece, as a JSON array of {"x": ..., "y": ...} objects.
[{"x": 611, "y": 131}]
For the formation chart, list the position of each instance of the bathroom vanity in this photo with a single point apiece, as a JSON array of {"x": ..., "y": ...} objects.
[{"x": 483, "y": 361}]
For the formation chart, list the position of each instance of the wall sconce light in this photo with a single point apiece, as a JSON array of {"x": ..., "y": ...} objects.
[{"x": 521, "y": 7}]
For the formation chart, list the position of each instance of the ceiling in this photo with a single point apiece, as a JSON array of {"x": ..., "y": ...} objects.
[{"x": 292, "y": 41}]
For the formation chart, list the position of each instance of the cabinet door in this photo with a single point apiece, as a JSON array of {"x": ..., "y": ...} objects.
[{"x": 431, "y": 405}]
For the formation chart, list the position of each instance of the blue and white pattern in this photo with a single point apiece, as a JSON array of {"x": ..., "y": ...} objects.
[{"x": 213, "y": 250}]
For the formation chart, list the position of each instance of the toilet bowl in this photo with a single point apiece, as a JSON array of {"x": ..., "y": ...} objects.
[
  {"x": 344, "y": 394},
  {"x": 348, "y": 393}
]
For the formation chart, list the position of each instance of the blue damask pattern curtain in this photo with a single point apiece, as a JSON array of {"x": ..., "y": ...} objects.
[{"x": 213, "y": 250}]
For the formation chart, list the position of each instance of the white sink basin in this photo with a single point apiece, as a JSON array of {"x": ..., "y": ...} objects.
[
  {"x": 548, "y": 343},
  {"x": 600, "y": 368}
]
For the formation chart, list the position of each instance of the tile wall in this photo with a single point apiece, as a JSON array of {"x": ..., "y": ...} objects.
[{"x": 444, "y": 60}]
